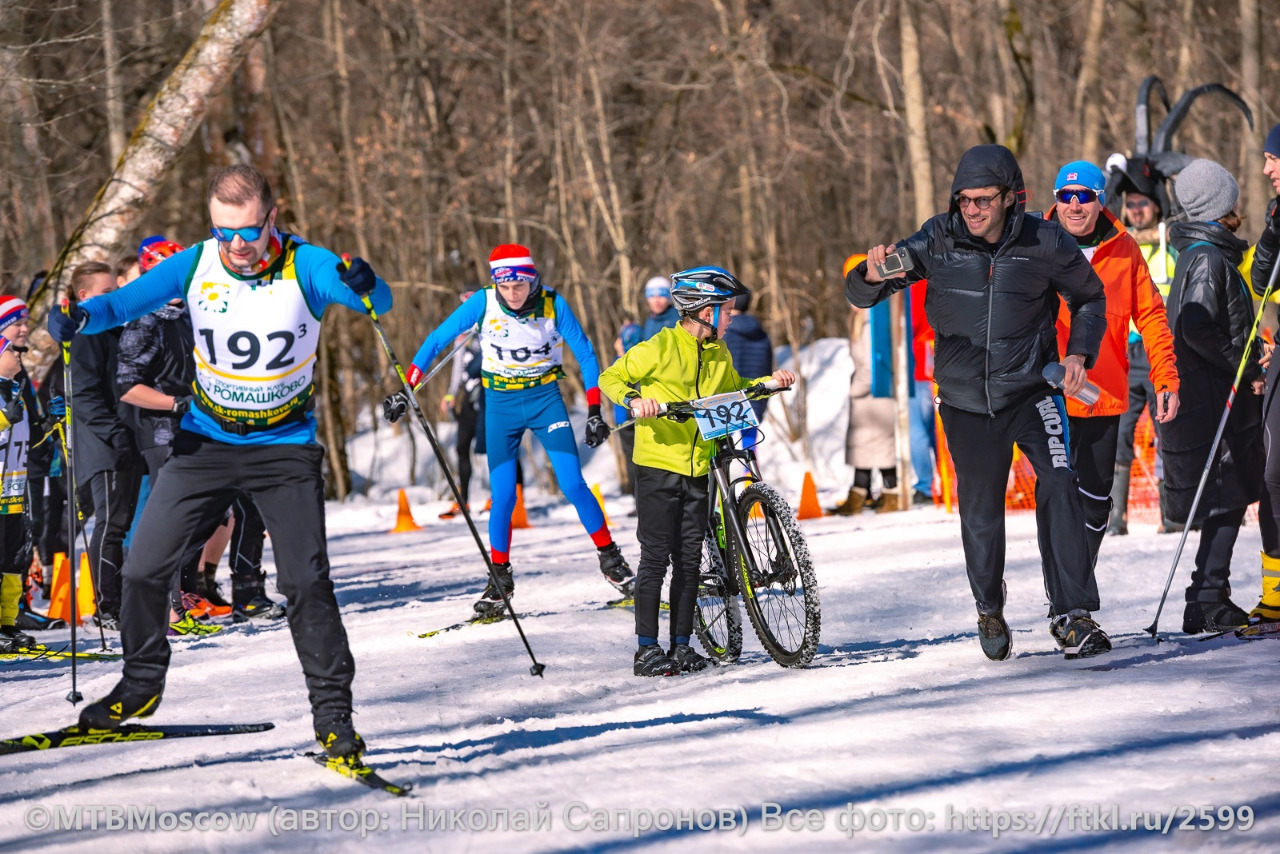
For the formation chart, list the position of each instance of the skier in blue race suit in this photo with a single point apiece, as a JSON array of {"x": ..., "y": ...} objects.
[{"x": 523, "y": 329}]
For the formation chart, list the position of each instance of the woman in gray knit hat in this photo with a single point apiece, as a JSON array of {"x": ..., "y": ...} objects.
[{"x": 1211, "y": 315}]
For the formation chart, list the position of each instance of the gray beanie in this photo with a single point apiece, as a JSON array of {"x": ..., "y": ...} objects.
[{"x": 1206, "y": 191}]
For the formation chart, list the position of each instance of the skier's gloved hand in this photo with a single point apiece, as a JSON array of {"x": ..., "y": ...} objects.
[
  {"x": 126, "y": 453},
  {"x": 395, "y": 405},
  {"x": 58, "y": 407},
  {"x": 597, "y": 430},
  {"x": 358, "y": 276},
  {"x": 1272, "y": 220},
  {"x": 63, "y": 326},
  {"x": 181, "y": 405},
  {"x": 12, "y": 411}
]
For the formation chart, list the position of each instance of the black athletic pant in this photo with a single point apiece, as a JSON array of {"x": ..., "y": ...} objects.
[
  {"x": 115, "y": 498},
  {"x": 247, "y": 536},
  {"x": 982, "y": 449},
  {"x": 51, "y": 533},
  {"x": 467, "y": 419},
  {"x": 671, "y": 522},
  {"x": 1211, "y": 579},
  {"x": 1093, "y": 456},
  {"x": 197, "y": 485},
  {"x": 1269, "y": 509}
]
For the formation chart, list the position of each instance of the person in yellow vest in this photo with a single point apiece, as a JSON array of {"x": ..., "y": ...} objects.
[{"x": 15, "y": 439}]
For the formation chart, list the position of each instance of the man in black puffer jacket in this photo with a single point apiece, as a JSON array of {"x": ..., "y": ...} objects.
[{"x": 995, "y": 279}]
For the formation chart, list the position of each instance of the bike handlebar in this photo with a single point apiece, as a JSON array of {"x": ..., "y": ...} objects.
[{"x": 768, "y": 388}]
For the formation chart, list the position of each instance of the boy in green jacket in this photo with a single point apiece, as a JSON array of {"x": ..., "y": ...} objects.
[{"x": 684, "y": 362}]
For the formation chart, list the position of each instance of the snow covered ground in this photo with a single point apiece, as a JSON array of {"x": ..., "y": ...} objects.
[
  {"x": 899, "y": 722},
  {"x": 899, "y": 712}
]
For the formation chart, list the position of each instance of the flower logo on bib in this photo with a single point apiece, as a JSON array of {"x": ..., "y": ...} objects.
[{"x": 213, "y": 297}]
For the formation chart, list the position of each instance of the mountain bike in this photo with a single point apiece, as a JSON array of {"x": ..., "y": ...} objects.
[{"x": 753, "y": 547}]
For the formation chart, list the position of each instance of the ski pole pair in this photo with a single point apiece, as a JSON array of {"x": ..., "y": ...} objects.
[
  {"x": 1213, "y": 449},
  {"x": 537, "y": 668}
]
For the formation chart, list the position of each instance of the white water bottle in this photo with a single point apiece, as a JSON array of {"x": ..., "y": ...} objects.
[{"x": 1056, "y": 374}]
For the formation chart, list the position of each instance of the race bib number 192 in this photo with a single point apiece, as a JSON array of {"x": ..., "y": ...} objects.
[{"x": 722, "y": 414}]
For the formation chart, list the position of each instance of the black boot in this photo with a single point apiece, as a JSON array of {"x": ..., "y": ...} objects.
[
  {"x": 250, "y": 602},
  {"x": 615, "y": 569},
  {"x": 338, "y": 736},
  {"x": 126, "y": 700},
  {"x": 207, "y": 586},
  {"x": 1118, "y": 525},
  {"x": 490, "y": 602},
  {"x": 1200, "y": 617},
  {"x": 14, "y": 640}
]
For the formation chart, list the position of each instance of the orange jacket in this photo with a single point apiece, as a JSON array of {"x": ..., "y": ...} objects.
[{"x": 1119, "y": 263}]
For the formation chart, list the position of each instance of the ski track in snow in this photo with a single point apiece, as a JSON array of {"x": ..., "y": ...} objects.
[{"x": 898, "y": 711}]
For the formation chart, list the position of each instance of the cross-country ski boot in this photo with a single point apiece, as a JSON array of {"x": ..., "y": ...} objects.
[
  {"x": 616, "y": 571},
  {"x": 490, "y": 603},
  {"x": 338, "y": 736},
  {"x": 13, "y": 639},
  {"x": 126, "y": 700}
]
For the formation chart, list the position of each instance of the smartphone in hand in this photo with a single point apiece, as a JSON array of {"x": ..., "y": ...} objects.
[{"x": 897, "y": 261}]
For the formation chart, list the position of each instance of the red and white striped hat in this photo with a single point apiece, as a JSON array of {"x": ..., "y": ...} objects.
[
  {"x": 12, "y": 310},
  {"x": 510, "y": 262}
]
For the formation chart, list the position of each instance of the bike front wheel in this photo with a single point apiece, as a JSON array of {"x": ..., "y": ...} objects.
[
  {"x": 716, "y": 619},
  {"x": 779, "y": 586}
]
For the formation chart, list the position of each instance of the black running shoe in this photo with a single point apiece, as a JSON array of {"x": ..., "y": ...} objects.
[
  {"x": 652, "y": 661},
  {"x": 338, "y": 736},
  {"x": 257, "y": 608},
  {"x": 490, "y": 602},
  {"x": 1212, "y": 617},
  {"x": 1078, "y": 635},
  {"x": 688, "y": 659},
  {"x": 993, "y": 634},
  {"x": 126, "y": 700},
  {"x": 615, "y": 569},
  {"x": 106, "y": 620}
]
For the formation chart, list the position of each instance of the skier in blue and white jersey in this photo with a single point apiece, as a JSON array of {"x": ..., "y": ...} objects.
[
  {"x": 523, "y": 329},
  {"x": 255, "y": 297}
]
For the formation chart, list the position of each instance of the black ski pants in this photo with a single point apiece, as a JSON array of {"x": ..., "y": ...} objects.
[
  {"x": 982, "y": 449},
  {"x": 196, "y": 486},
  {"x": 1093, "y": 456},
  {"x": 247, "y": 536},
  {"x": 115, "y": 498},
  {"x": 671, "y": 522}
]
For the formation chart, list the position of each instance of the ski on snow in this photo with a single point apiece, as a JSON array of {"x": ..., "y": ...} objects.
[
  {"x": 1250, "y": 632},
  {"x": 484, "y": 619},
  {"x": 40, "y": 651},
  {"x": 361, "y": 773},
  {"x": 73, "y": 736}
]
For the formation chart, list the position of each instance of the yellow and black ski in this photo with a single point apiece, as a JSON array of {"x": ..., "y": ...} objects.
[
  {"x": 73, "y": 736},
  {"x": 361, "y": 773},
  {"x": 40, "y": 651}
]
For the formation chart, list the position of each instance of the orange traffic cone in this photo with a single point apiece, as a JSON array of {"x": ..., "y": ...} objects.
[
  {"x": 809, "y": 506},
  {"x": 519, "y": 518},
  {"x": 595, "y": 490},
  {"x": 60, "y": 592},
  {"x": 404, "y": 518}
]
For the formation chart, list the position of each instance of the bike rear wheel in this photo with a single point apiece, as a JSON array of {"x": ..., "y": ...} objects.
[
  {"x": 716, "y": 619},
  {"x": 779, "y": 586}
]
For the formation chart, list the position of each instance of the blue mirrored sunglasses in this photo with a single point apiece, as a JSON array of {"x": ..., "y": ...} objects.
[
  {"x": 247, "y": 234},
  {"x": 1083, "y": 196}
]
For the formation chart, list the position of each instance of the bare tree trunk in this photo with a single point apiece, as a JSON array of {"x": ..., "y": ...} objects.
[
  {"x": 171, "y": 119},
  {"x": 18, "y": 106},
  {"x": 1086, "y": 107},
  {"x": 114, "y": 95},
  {"x": 1255, "y": 186},
  {"x": 1186, "y": 44}
]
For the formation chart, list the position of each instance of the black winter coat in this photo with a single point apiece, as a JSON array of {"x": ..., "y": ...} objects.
[
  {"x": 156, "y": 351},
  {"x": 98, "y": 422},
  {"x": 1211, "y": 315},
  {"x": 751, "y": 350},
  {"x": 993, "y": 307}
]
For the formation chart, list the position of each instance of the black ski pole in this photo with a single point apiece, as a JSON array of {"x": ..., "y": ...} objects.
[
  {"x": 73, "y": 570},
  {"x": 537, "y": 668},
  {"x": 1213, "y": 449}
]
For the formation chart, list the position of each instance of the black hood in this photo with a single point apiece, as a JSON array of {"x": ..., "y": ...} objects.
[
  {"x": 1182, "y": 235},
  {"x": 989, "y": 166}
]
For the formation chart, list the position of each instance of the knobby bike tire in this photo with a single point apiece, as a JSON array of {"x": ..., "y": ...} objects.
[
  {"x": 716, "y": 619},
  {"x": 779, "y": 586}
]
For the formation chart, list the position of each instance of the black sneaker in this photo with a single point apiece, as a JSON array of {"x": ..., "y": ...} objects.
[
  {"x": 993, "y": 635},
  {"x": 257, "y": 608},
  {"x": 106, "y": 620},
  {"x": 338, "y": 737},
  {"x": 1212, "y": 617},
  {"x": 126, "y": 700},
  {"x": 1078, "y": 635},
  {"x": 615, "y": 569},
  {"x": 688, "y": 659},
  {"x": 207, "y": 587},
  {"x": 652, "y": 661},
  {"x": 490, "y": 601},
  {"x": 14, "y": 640}
]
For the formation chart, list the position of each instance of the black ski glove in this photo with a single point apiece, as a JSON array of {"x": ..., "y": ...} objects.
[
  {"x": 13, "y": 411},
  {"x": 395, "y": 405},
  {"x": 597, "y": 430},
  {"x": 63, "y": 326},
  {"x": 359, "y": 277},
  {"x": 181, "y": 405},
  {"x": 126, "y": 453}
]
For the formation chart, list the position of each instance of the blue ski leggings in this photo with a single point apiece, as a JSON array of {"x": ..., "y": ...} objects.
[{"x": 507, "y": 414}]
